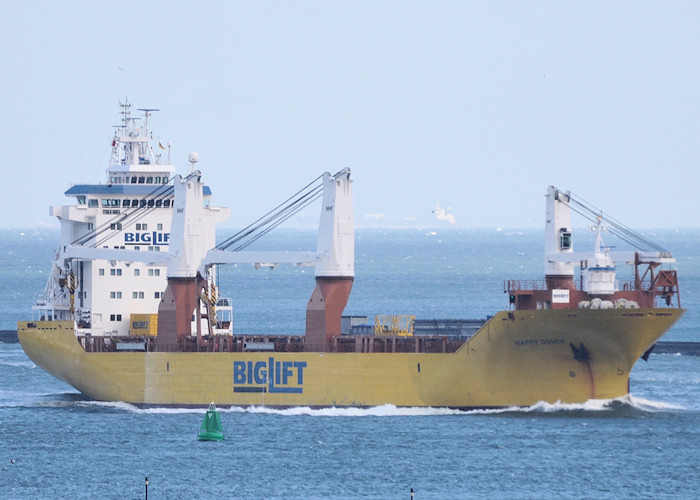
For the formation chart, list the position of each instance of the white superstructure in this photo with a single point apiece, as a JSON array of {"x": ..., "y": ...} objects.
[{"x": 111, "y": 263}]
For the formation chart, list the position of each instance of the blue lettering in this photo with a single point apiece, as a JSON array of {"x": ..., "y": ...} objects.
[
  {"x": 268, "y": 376},
  {"x": 239, "y": 372},
  {"x": 155, "y": 238},
  {"x": 286, "y": 371},
  {"x": 260, "y": 372},
  {"x": 300, "y": 365}
]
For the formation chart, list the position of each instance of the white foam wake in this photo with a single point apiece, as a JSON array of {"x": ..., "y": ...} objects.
[{"x": 387, "y": 410}]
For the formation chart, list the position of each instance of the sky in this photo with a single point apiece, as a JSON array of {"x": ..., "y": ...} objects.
[{"x": 475, "y": 106}]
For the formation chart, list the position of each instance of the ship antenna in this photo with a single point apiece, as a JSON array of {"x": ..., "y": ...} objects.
[{"x": 147, "y": 112}]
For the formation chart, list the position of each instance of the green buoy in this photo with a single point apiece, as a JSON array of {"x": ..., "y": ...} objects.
[{"x": 211, "y": 429}]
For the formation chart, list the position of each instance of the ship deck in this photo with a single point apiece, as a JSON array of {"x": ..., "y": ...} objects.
[{"x": 269, "y": 343}]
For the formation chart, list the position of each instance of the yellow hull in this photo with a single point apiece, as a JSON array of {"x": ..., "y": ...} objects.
[{"x": 517, "y": 359}]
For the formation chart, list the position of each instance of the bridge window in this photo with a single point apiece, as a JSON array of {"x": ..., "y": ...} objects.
[
  {"x": 142, "y": 179},
  {"x": 81, "y": 200},
  {"x": 149, "y": 180},
  {"x": 133, "y": 180},
  {"x": 93, "y": 203}
]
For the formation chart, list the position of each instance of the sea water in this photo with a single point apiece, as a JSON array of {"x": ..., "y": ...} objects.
[{"x": 55, "y": 443}]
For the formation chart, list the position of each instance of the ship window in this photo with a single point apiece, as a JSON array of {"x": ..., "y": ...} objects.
[
  {"x": 101, "y": 272},
  {"x": 159, "y": 227},
  {"x": 150, "y": 203},
  {"x": 91, "y": 226},
  {"x": 165, "y": 180},
  {"x": 115, "y": 272},
  {"x": 115, "y": 295},
  {"x": 166, "y": 203},
  {"x": 141, "y": 179},
  {"x": 137, "y": 272},
  {"x": 81, "y": 200},
  {"x": 150, "y": 249},
  {"x": 149, "y": 180},
  {"x": 157, "y": 249},
  {"x": 158, "y": 295},
  {"x": 154, "y": 272},
  {"x": 92, "y": 202},
  {"x": 142, "y": 203},
  {"x": 159, "y": 203},
  {"x": 157, "y": 180},
  {"x": 115, "y": 317},
  {"x": 564, "y": 239},
  {"x": 137, "y": 248},
  {"x": 133, "y": 180},
  {"x": 126, "y": 203}
]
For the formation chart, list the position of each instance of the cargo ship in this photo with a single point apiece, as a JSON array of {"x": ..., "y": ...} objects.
[{"x": 132, "y": 310}]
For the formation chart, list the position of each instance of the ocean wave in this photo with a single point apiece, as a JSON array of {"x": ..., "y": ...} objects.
[
  {"x": 18, "y": 364},
  {"x": 626, "y": 405}
]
